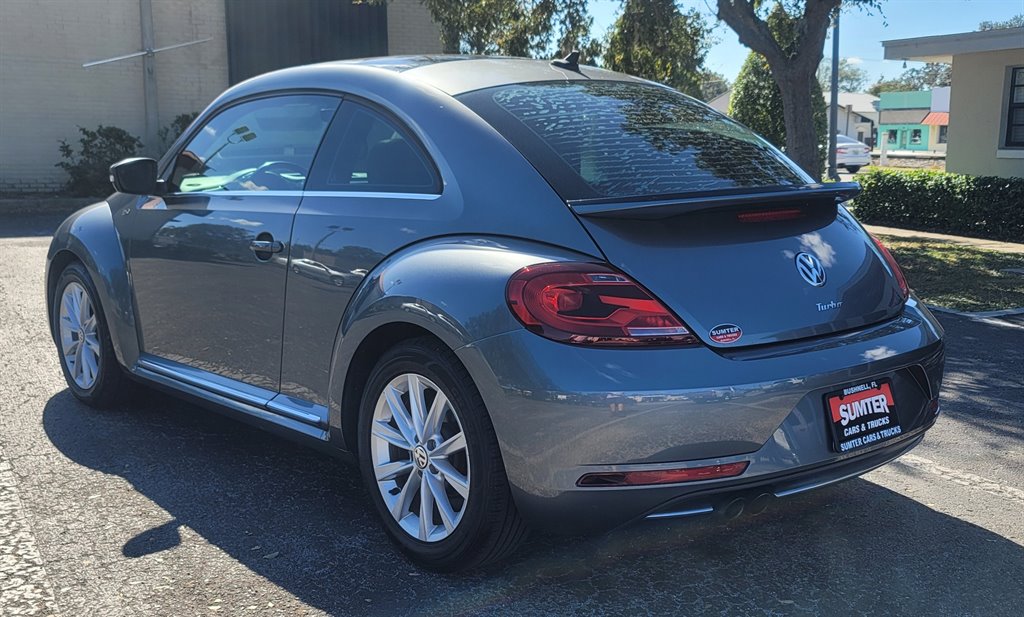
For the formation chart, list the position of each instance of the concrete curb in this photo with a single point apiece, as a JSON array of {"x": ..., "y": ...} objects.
[
  {"x": 43, "y": 205},
  {"x": 978, "y": 314}
]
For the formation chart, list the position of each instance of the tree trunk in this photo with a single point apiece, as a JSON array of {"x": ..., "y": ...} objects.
[{"x": 798, "y": 113}]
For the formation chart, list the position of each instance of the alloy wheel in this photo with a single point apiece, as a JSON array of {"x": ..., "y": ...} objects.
[
  {"x": 419, "y": 456},
  {"x": 79, "y": 336}
]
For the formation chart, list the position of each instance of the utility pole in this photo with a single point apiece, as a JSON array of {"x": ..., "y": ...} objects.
[
  {"x": 149, "y": 77},
  {"x": 148, "y": 54},
  {"x": 833, "y": 112}
]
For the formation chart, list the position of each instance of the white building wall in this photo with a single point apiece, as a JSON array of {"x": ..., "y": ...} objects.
[
  {"x": 977, "y": 110},
  {"x": 45, "y": 93},
  {"x": 411, "y": 29}
]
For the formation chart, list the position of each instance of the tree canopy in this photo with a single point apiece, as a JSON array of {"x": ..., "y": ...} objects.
[
  {"x": 655, "y": 40},
  {"x": 713, "y": 84},
  {"x": 931, "y": 75},
  {"x": 1017, "y": 21},
  {"x": 852, "y": 78},
  {"x": 514, "y": 27}
]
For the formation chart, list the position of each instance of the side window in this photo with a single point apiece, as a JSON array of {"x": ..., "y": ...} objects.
[
  {"x": 367, "y": 151},
  {"x": 1015, "y": 110},
  {"x": 262, "y": 145}
]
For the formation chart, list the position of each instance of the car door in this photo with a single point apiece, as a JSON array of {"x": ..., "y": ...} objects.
[
  {"x": 209, "y": 258},
  {"x": 372, "y": 189}
]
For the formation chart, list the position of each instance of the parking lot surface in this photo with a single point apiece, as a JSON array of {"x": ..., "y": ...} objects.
[{"x": 163, "y": 508}]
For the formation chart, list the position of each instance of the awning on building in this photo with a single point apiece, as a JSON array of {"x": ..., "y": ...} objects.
[
  {"x": 936, "y": 118},
  {"x": 901, "y": 116}
]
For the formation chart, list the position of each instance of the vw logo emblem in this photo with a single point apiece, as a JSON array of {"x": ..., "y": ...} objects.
[
  {"x": 810, "y": 269},
  {"x": 420, "y": 457}
]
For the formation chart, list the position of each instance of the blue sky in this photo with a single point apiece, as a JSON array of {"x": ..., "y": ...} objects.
[{"x": 859, "y": 34}]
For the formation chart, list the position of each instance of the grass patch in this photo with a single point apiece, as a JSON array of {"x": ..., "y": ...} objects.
[{"x": 959, "y": 277}]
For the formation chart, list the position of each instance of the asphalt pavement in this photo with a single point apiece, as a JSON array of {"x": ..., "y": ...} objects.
[{"x": 163, "y": 508}]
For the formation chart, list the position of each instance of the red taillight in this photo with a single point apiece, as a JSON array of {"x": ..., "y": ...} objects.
[
  {"x": 591, "y": 304},
  {"x": 895, "y": 267},
  {"x": 662, "y": 476},
  {"x": 765, "y": 216}
]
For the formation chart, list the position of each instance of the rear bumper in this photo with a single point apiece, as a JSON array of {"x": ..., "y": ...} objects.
[
  {"x": 860, "y": 160},
  {"x": 598, "y": 510},
  {"x": 561, "y": 411}
]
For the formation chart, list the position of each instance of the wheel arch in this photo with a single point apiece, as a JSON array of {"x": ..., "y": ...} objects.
[
  {"x": 89, "y": 237},
  {"x": 451, "y": 289}
]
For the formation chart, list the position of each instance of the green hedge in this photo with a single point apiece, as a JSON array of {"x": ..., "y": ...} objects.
[{"x": 979, "y": 206}]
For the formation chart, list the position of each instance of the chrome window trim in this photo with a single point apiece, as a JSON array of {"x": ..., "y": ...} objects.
[{"x": 367, "y": 194}]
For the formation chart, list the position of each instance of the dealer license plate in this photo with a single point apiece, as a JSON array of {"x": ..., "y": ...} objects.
[{"x": 862, "y": 415}]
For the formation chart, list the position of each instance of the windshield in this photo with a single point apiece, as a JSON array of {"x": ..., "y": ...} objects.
[{"x": 614, "y": 140}]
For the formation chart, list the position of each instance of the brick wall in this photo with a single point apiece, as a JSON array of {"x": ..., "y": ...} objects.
[
  {"x": 411, "y": 30},
  {"x": 45, "y": 93}
]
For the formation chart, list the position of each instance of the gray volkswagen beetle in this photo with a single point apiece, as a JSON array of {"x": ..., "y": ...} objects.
[{"x": 519, "y": 294}]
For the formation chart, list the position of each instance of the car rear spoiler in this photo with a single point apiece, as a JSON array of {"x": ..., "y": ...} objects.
[{"x": 659, "y": 208}]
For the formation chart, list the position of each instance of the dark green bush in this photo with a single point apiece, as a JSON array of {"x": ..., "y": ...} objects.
[
  {"x": 979, "y": 206},
  {"x": 173, "y": 130},
  {"x": 89, "y": 168}
]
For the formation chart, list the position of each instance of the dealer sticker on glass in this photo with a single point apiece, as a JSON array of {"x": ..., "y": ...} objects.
[{"x": 862, "y": 415}]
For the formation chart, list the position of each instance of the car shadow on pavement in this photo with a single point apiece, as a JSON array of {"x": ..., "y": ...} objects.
[{"x": 303, "y": 521}]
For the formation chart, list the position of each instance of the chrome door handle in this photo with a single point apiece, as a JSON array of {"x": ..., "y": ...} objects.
[{"x": 266, "y": 246}]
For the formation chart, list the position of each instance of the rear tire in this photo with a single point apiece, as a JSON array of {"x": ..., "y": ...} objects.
[
  {"x": 853, "y": 169},
  {"x": 84, "y": 348},
  {"x": 448, "y": 452}
]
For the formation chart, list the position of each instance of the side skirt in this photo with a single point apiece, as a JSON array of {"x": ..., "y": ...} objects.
[{"x": 246, "y": 405}]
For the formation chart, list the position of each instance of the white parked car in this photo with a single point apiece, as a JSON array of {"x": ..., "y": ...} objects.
[{"x": 852, "y": 154}]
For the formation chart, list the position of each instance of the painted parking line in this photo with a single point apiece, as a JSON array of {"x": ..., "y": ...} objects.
[
  {"x": 962, "y": 478},
  {"x": 24, "y": 586}
]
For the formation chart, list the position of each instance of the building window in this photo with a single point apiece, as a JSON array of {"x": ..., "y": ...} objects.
[
  {"x": 1015, "y": 110},
  {"x": 891, "y": 138},
  {"x": 943, "y": 134},
  {"x": 915, "y": 136}
]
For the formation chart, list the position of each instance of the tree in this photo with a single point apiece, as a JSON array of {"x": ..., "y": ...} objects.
[
  {"x": 513, "y": 27},
  {"x": 793, "y": 59},
  {"x": 1017, "y": 21},
  {"x": 713, "y": 84},
  {"x": 758, "y": 103},
  {"x": 654, "y": 40},
  {"x": 851, "y": 77},
  {"x": 931, "y": 75}
]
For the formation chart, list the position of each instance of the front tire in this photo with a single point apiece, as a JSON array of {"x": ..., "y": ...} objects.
[
  {"x": 430, "y": 460},
  {"x": 86, "y": 353}
]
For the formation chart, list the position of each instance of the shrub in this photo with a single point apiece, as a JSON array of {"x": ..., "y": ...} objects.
[
  {"x": 979, "y": 206},
  {"x": 89, "y": 168},
  {"x": 173, "y": 130}
]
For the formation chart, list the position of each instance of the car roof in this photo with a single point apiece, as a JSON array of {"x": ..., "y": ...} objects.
[{"x": 458, "y": 74}]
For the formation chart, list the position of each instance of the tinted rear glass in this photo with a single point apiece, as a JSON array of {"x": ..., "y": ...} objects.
[{"x": 610, "y": 140}]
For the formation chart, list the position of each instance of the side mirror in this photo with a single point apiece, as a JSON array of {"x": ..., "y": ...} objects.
[{"x": 136, "y": 176}]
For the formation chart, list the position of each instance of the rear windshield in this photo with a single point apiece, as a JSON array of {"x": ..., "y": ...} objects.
[{"x": 615, "y": 140}]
